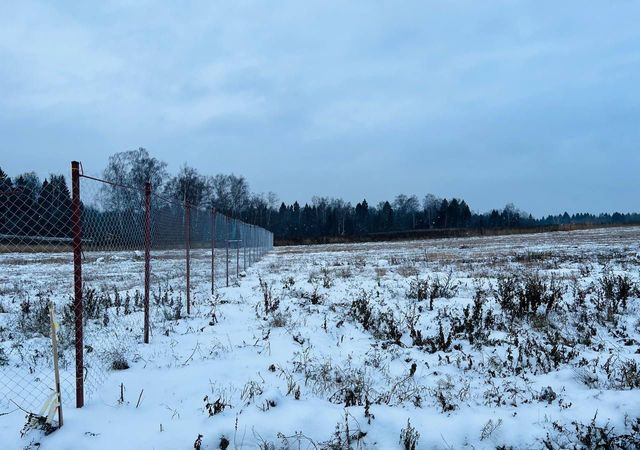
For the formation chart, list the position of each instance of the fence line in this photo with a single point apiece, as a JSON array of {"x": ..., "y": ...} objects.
[{"x": 136, "y": 259}]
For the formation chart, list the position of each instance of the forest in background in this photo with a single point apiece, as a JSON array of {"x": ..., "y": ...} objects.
[{"x": 322, "y": 218}]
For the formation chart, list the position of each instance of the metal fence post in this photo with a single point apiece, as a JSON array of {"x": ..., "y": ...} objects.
[
  {"x": 244, "y": 246},
  {"x": 226, "y": 219},
  {"x": 76, "y": 231},
  {"x": 187, "y": 245},
  {"x": 147, "y": 257},
  {"x": 213, "y": 250}
]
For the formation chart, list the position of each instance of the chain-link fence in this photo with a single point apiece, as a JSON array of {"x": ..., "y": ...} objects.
[{"x": 116, "y": 261}]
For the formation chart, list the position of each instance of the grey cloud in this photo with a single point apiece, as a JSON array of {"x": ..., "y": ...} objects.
[{"x": 535, "y": 103}]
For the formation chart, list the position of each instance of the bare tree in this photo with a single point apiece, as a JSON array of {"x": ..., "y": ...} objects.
[
  {"x": 430, "y": 206},
  {"x": 407, "y": 207},
  {"x": 272, "y": 205},
  {"x": 238, "y": 194},
  {"x": 132, "y": 168},
  {"x": 220, "y": 192},
  {"x": 189, "y": 187}
]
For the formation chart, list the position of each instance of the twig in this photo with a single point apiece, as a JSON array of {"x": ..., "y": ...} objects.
[
  {"x": 7, "y": 413},
  {"x": 193, "y": 353},
  {"x": 21, "y": 408},
  {"x": 139, "y": 398},
  {"x": 446, "y": 443}
]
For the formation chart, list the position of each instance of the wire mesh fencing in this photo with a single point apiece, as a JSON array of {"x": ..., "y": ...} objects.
[
  {"x": 115, "y": 261},
  {"x": 35, "y": 261}
]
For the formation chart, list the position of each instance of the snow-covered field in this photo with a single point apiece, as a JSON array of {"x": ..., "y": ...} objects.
[{"x": 527, "y": 341}]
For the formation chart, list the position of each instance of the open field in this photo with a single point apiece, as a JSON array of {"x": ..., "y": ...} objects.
[
  {"x": 444, "y": 233},
  {"x": 525, "y": 341}
]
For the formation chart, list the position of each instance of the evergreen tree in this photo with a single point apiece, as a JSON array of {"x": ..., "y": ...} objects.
[
  {"x": 54, "y": 208},
  {"x": 5, "y": 181},
  {"x": 362, "y": 218},
  {"x": 5, "y": 201},
  {"x": 386, "y": 215}
]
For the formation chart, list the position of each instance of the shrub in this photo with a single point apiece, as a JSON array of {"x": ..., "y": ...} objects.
[
  {"x": 34, "y": 316},
  {"x": 269, "y": 301},
  {"x": 118, "y": 361},
  {"x": 593, "y": 436},
  {"x": 361, "y": 310},
  {"x": 215, "y": 407},
  {"x": 432, "y": 289},
  {"x": 523, "y": 296},
  {"x": 506, "y": 292},
  {"x": 409, "y": 437},
  {"x": 611, "y": 295},
  {"x": 418, "y": 289}
]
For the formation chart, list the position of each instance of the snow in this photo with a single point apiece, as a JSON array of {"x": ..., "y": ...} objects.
[{"x": 254, "y": 362}]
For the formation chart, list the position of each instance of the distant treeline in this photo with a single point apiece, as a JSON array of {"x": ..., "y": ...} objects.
[
  {"x": 440, "y": 233},
  {"x": 322, "y": 218},
  {"x": 30, "y": 207},
  {"x": 334, "y": 218}
]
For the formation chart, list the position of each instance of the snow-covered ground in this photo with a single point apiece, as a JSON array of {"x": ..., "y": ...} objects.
[{"x": 496, "y": 342}]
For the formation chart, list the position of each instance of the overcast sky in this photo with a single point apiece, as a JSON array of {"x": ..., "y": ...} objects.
[{"x": 535, "y": 103}]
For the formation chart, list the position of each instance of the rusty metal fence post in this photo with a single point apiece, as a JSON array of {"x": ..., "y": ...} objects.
[
  {"x": 244, "y": 250},
  {"x": 147, "y": 257},
  {"x": 213, "y": 250},
  {"x": 76, "y": 230},
  {"x": 187, "y": 244},
  {"x": 226, "y": 219}
]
